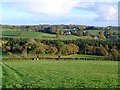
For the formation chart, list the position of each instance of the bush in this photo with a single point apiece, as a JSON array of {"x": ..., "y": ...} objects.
[
  {"x": 51, "y": 50},
  {"x": 101, "y": 51},
  {"x": 72, "y": 48},
  {"x": 114, "y": 53}
]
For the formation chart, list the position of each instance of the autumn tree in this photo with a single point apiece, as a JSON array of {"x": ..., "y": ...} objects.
[
  {"x": 114, "y": 53},
  {"x": 101, "y": 36},
  {"x": 89, "y": 49},
  {"x": 51, "y": 50},
  {"x": 72, "y": 48},
  {"x": 101, "y": 51}
]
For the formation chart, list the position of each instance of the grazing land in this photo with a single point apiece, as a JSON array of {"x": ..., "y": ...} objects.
[
  {"x": 59, "y": 74},
  {"x": 96, "y": 32},
  {"x": 0, "y": 76},
  {"x": 39, "y": 35}
]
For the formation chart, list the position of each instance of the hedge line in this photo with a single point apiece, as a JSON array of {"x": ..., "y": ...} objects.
[{"x": 57, "y": 58}]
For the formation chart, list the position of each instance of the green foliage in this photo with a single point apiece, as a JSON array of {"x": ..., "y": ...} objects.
[
  {"x": 89, "y": 49},
  {"x": 62, "y": 48},
  {"x": 51, "y": 50}
]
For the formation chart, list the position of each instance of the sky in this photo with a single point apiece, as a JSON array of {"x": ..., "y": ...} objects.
[{"x": 80, "y": 12}]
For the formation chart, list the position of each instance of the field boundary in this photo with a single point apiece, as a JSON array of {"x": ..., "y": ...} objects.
[{"x": 58, "y": 58}]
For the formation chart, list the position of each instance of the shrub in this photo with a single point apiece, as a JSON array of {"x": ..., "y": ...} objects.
[
  {"x": 72, "y": 48},
  {"x": 51, "y": 50},
  {"x": 101, "y": 51},
  {"x": 114, "y": 53}
]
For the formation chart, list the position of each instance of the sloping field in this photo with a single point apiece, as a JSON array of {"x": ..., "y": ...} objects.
[
  {"x": 96, "y": 32},
  {"x": 40, "y": 35},
  {"x": 60, "y": 74}
]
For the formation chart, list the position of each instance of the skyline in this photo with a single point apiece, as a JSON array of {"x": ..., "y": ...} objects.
[{"x": 35, "y": 12}]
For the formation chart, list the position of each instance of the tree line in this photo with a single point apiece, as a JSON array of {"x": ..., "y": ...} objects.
[
  {"x": 26, "y": 46},
  {"x": 48, "y": 28}
]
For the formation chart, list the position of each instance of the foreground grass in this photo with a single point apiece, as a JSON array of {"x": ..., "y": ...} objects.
[
  {"x": 60, "y": 74},
  {"x": 0, "y": 76}
]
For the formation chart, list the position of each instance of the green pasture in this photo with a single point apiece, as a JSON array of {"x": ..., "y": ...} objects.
[
  {"x": 59, "y": 74},
  {"x": 96, "y": 32},
  {"x": 40, "y": 35},
  {"x": 0, "y": 75}
]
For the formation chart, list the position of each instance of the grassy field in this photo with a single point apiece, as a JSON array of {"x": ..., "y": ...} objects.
[
  {"x": 0, "y": 76},
  {"x": 96, "y": 32},
  {"x": 60, "y": 74},
  {"x": 40, "y": 35}
]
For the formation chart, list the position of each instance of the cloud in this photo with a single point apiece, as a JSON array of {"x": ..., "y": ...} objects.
[
  {"x": 107, "y": 11},
  {"x": 64, "y": 0},
  {"x": 54, "y": 7}
]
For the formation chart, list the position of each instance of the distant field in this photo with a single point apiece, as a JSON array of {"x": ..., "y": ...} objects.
[
  {"x": 40, "y": 35},
  {"x": 59, "y": 74},
  {"x": 97, "y": 31}
]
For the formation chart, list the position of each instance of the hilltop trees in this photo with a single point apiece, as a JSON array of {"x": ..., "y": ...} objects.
[{"x": 57, "y": 30}]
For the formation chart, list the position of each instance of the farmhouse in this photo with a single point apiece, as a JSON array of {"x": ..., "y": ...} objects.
[{"x": 67, "y": 33}]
